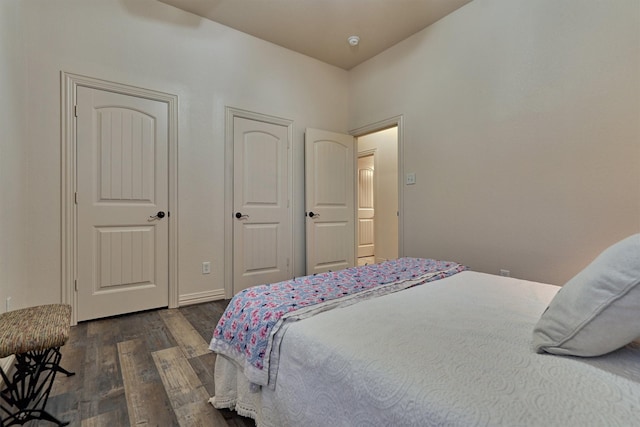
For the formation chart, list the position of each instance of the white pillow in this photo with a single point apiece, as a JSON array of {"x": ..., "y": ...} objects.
[{"x": 598, "y": 310}]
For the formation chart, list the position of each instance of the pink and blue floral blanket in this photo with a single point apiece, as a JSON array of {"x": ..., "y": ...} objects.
[{"x": 251, "y": 328}]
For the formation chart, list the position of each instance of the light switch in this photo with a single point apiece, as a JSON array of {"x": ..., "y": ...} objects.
[
  {"x": 206, "y": 267},
  {"x": 410, "y": 178}
]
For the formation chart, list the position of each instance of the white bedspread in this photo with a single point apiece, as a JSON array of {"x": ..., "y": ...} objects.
[{"x": 454, "y": 352}]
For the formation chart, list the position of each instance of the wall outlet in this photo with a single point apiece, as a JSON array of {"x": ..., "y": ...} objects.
[
  {"x": 206, "y": 267},
  {"x": 505, "y": 273}
]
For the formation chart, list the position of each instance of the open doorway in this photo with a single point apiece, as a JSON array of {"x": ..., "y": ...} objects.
[{"x": 377, "y": 196}]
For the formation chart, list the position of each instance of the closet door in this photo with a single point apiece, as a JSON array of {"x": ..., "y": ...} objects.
[
  {"x": 366, "y": 212},
  {"x": 262, "y": 236},
  {"x": 122, "y": 203}
]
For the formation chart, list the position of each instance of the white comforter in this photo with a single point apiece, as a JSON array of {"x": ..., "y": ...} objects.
[{"x": 453, "y": 352}]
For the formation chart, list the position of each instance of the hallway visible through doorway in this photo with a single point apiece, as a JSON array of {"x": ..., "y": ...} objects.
[{"x": 377, "y": 182}]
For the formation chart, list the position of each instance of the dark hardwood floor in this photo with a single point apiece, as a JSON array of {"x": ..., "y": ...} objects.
[{"x": 145, "y": 369}]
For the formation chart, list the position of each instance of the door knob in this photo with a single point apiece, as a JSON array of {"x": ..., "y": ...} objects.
[
  {"x": 159, "y": 215},
  {"x": 313, "y": 215},
  {"x": 239, "y": 215}
]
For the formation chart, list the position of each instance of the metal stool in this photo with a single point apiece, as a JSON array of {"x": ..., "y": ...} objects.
[{"x": 35, "y": 336}]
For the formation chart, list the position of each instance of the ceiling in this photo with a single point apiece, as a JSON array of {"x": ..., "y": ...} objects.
[{"x": 320, "y": 28}]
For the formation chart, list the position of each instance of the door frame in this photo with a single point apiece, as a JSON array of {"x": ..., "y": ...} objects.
[
  {"x": 396, "y": 121},
  {"x": 69, "y": 82},
  {"x": 230, "y": 114}
]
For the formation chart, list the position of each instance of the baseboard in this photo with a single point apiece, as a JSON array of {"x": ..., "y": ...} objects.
[{"x": 200, "y": 297}]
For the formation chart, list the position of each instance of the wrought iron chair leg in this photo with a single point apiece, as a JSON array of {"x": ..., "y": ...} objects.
[{"x": 27, "y": 392}]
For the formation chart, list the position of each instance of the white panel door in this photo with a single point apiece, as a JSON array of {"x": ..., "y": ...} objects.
[
  {"x": 366, "y": 216},
  {"x": 122, "y": 185},
  {"x": 262, "y": 220},
  {"x": 329, "y": 194}
]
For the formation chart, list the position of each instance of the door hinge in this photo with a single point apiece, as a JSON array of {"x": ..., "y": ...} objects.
[
  {"x": 75, "y": 110},
  {"x": 75, "y": 197},
  {"x": 75, "y": 284}
]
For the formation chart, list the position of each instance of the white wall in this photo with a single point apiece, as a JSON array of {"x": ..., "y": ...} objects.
[
  {"x": 13, "y": 157},
  {"x": 522, "y": 123},
  {"x": 385, "y": 144},
  {"x": 149, "y": 44}
]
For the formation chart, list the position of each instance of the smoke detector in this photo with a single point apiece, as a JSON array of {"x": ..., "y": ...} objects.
[{"x": 353, "y": 40}]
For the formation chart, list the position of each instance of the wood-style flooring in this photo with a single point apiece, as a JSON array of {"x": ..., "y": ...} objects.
[{"x": 146, "y": 369}]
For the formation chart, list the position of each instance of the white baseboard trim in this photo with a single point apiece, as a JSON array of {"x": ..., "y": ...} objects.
[{"x": 200, "y": 297}]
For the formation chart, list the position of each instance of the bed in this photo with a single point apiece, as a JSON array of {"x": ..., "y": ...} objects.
[{"x": 453, "y": 351}]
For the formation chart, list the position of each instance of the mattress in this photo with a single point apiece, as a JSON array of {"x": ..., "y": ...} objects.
[
  {"x": 252, "y": 325},
  {"x": 453, "y": 352}
]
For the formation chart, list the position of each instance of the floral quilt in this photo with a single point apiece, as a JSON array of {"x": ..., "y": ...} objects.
[{"x": 254, "y": 322}]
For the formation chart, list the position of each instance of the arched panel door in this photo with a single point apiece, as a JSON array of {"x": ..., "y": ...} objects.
[
  {"x": 330, "y": 201},
  {"x": 122, "y": 203},
  {"x": 262, "y": 224}
]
